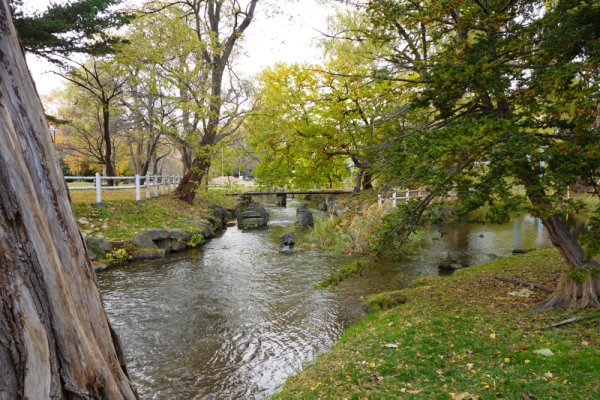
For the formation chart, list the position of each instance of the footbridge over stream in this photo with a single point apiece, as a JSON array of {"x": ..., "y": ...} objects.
[{"x": 281, "y": 195}]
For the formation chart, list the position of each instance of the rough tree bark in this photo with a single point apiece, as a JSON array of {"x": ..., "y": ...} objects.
[{"x": 55, "y": 339}]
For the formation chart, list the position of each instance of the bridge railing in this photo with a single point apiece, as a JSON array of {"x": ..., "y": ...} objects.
[
  {"x": 406, "y": 195},
  {"x": 152, "y": 183}
]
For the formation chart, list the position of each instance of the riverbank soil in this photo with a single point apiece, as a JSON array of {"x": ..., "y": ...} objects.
[{"x": 467, "y": 336}]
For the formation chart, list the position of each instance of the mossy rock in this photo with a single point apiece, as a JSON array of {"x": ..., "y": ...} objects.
[
  {"x": 386, "y": 300},
  {"x": 147, "y": 254}
]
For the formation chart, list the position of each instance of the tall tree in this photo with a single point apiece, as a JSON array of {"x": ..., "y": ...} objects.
[
  {"x": 55, "y": 338},
  {"x": 105, "y": 84},
  {"x": 81, "y": 26},
  {"x": 510, "y": 90},
  {"x": 219, "y": 25}
]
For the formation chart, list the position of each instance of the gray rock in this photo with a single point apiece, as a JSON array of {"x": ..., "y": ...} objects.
[
  {"x": 304, "y": 217},
  {"x": 221, "y": 215},
  {"x": 251, "y": 223},
  {"x": 164, "y": 244},
  {"x": 99, "y": 267},
  {"x": 243, "y": 201},
  {"x": 178, "y": 234},
  {"x": 206, "y": 228},
  {"x": 178, "y": 245},
  {"x": 156, "y": 234},
  {"x": 148, "y": 254},
  {"x": 253, "y": 217},
  {"x": 544, "y": 352},
  {"x": 144, "y": 241},
  {"x": 287, "y": 239},
  {"x": 98, "y": 245},
  {"x": 91, "y": 254}
]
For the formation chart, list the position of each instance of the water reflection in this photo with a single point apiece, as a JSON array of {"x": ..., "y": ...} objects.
[{"x": 234, "y": 319}]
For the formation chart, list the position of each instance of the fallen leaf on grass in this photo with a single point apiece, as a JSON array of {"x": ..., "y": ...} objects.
[
  {"x": 464, "y": 396},
  {"x": 390, "y": 346}
]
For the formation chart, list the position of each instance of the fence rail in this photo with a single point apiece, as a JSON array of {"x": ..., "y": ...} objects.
[
  {"x": 407, "y": 194},
  {"x": 151, "y": 183}
]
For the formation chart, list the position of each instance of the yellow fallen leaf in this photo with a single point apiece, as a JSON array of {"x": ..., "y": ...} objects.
[
  {"x": 493, "y": 335},
  {"x": 506, "y": 360}
]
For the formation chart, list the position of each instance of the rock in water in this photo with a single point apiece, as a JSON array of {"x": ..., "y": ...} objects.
[
  {"x": 253, "y": 217},
  {"x": 304, "y": 217},
  {"x": 287, "y": 239}
]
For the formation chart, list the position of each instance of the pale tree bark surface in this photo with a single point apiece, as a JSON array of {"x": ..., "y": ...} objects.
[{"x": 55, "y": 339}]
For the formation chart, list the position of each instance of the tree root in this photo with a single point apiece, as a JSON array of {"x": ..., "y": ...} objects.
[
  {"x": 567, "y": 322},
  {"x": 526, "y": 284},
  {"x": 569, "y": 293}
]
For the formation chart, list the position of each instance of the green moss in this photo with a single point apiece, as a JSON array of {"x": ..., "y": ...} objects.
[{"x": 386, "y": 300}]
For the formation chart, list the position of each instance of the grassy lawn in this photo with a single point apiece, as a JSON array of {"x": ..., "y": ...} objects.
[
  {"x": 468, "y": 336},
  {"x": 123, "y": 218}
]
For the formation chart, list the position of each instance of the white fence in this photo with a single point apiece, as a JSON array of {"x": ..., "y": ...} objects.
[
  {"x": 407, "y": 194},
  {"x": 151, "y": 183}
]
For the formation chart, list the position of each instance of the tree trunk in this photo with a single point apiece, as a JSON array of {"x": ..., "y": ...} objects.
[
  {"x": 55, "y": 339},
  {"x": 580, "y": 286},
  {"x": 359, "y": 179},
  {"x": 108, "y": 150},
  {"x": 367, "y": 181},
  {"x": 190, "y": 182}
]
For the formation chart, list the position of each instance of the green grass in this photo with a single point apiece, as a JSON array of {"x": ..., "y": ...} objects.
[
  {"x": 123, "y": 219},
  {"x": 459, "y": 336}
]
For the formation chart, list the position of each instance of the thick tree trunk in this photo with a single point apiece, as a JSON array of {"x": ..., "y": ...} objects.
[
  {"x": 55, "y": 339},
  {"x": 579, "y": 287},
  {"x": 190, "y": 182}
]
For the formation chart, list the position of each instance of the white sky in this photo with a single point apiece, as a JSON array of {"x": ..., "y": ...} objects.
[{"x": 284, "y": 37}]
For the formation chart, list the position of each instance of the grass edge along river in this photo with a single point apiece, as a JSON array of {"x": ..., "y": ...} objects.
[{"x": 466, "y": 336}]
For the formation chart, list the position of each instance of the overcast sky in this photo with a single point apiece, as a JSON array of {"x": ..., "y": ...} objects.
[{"x": 286, "y": 36}]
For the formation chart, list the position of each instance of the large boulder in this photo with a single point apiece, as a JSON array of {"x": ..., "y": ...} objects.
[
  {"x": 253, "y": 217},
  {"x": 97, "y": 247},
  {"x": 304, "y": 217},
  {"x": 221, "y": 216}
]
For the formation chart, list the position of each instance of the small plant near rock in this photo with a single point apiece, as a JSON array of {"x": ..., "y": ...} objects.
[
  {"x": 118, "y": 255},
  {"x": 196, "y": 240}
]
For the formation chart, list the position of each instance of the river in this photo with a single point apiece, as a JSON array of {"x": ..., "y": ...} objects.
[{"x": 234, "y": 319}]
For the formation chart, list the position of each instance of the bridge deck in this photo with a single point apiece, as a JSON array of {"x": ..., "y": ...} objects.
[{"x": 273, "y": 192}]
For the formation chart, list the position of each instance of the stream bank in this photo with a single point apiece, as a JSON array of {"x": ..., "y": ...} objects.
[{"x": 235, "y": 318}]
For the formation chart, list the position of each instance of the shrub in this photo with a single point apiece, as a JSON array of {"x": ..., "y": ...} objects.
[{"x": 196, "y": 240}]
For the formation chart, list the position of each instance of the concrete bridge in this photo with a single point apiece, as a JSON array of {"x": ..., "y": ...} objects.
[{"x": 281, "y": 195}]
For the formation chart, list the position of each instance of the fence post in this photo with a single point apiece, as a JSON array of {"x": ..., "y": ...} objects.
[
  {"x": 98, "y": 189},
  {"x": 394, "y": 199},
  {"x": 155, "y": 186},
  {"x": 379, "y": 200},
  {"x": 162, "y": 183},
  {"x": 147, "y": 186},
  {"x": 407, "y": 195},
  {"x": 138, "y": 196}
]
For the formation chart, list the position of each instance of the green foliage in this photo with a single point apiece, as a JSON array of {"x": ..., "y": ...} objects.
[
  {"x": 80, "y": 26},
  {"x": 591, "y": 239},
  {"x": 325, "y": 235},
  {"x": 119, "y": 255},
  {"x": 196, "y": 240},
  {"x": 357, "y": 267}
]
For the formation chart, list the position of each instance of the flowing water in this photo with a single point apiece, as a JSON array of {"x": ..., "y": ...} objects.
[{"x": 234, "y": 319}]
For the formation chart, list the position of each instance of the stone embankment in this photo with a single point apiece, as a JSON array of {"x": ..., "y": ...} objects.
[{"x": 154, "y": 243}]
